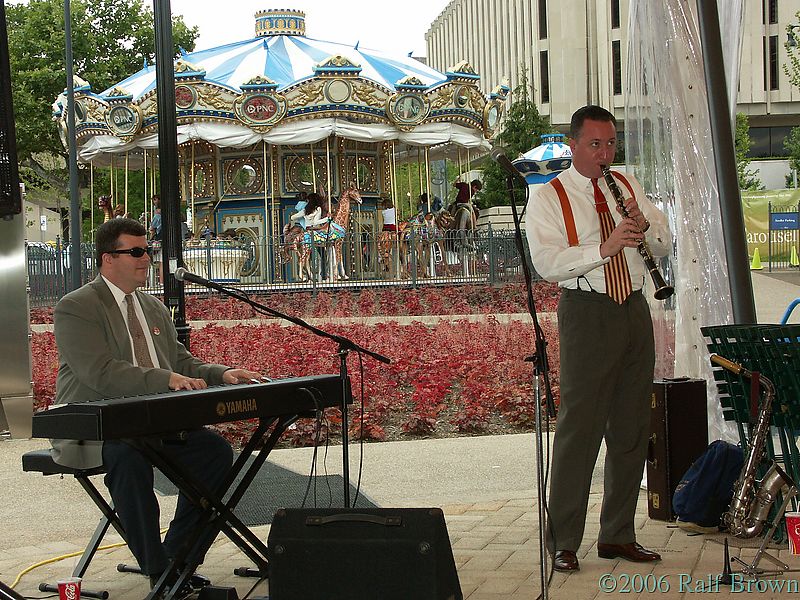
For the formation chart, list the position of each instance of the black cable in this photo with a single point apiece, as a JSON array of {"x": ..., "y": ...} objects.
[
  {"x": 361, "y": 441},
  {"x": 314, "y": 394},
  {"x": 325, "y": 464},
  {"x": 244, "y": 297},
  {"x": 255, "y": 585}
]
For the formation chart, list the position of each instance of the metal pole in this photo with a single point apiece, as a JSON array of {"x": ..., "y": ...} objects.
[
  {"x": 730, "y": 202},
  {"x": 168, "y": 165},
  {"x": 75, "y": 212},
  {"x": 91, "y": 200}
]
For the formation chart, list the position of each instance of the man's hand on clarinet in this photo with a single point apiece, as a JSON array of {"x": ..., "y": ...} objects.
[
  {"x": 632, "y": 207},
  {"x": 625, "y": 235}
]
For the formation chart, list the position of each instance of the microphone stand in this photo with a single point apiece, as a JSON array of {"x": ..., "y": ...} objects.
[
  {"x": 345, "y": 347},
  {"x": 541, "y": 370}
]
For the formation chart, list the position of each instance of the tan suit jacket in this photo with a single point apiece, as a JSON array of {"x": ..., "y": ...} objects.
[{"x": 96, "y": 360}]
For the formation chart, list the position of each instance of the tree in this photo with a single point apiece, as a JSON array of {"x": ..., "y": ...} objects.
[
  {"x": 792, "y": 145},
  {"x": 748, "y": 179},
  {"x": 521, "y": 131},
  {"x": 792, "y": 69},
  {"x": 111, "y": 40}
]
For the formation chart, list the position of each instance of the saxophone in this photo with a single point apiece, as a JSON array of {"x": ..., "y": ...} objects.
[{"x": 752, "y": 500}]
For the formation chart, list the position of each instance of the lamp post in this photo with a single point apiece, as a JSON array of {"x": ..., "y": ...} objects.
[{"x": 791, "y": 36}]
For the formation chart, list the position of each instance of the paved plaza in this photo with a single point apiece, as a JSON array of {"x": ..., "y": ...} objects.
[{"x": 485, "y": 485}]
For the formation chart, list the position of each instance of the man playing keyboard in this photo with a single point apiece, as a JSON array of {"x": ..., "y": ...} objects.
[{"x": 114, "y": 341}]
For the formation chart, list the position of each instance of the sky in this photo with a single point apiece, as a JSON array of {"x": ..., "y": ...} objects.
[{"x": 394, "y": 28}]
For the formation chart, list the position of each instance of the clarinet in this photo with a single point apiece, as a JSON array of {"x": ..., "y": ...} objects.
[{"x": 663, "y": 291}]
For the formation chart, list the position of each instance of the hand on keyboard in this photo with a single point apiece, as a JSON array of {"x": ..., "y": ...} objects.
[
  {"x": 181, "y": 382},
  {"x": 243, "y": 376}
]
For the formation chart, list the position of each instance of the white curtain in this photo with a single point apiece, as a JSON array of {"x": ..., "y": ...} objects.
[{"x": 668, "y": 145}]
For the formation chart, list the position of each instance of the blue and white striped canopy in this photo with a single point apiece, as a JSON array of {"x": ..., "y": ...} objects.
[
  {"x": 286, "y": 60},
  {"x": 547, "y": 160}
]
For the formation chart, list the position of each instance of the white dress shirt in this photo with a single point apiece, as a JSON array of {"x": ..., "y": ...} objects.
[
  {"x": 119, "y": 296},
  {"x": 581, "y": 266}
]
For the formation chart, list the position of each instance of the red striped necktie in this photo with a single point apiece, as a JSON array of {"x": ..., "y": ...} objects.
[{"x": 618, "y": 278}]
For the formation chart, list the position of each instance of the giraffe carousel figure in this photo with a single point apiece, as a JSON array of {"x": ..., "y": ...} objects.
[{"x": 329, "y": 233}]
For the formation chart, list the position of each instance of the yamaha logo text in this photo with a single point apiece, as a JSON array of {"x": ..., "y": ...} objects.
[{"x": 237, "y": 406}]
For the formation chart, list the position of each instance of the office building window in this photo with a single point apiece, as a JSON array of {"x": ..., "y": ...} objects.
[
  {"x": 544, "y": 76},
  {"x": 615, "y": 14},
  {"x": 773, "y": 11},
  {"x": 542, "y": 19},
  {"x": 773, "y": 62},
  {"x": 767, "y": 142},
  {"x": 616, "y": 60}
]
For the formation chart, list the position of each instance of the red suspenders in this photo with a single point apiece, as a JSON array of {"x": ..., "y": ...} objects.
[{"x": 566, "y": 208}]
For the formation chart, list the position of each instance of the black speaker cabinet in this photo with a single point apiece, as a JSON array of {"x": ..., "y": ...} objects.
[
  {"x": 361, "y": 554},
  {"x": 678, "y": 436}
]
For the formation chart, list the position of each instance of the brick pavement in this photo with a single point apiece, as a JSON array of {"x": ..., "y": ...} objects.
[{"x": 495, "y": 544}]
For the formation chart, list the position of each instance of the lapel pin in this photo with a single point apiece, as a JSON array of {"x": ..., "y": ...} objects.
[{"x": 156, "y": 331}]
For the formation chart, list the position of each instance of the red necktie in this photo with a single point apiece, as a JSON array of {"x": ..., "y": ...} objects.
[{"x": 618, "y": 278}]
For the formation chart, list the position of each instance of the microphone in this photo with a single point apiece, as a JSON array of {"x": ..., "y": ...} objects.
[
  {"x": 181, "y": 274},
  {"x": 502, "y": 160}
]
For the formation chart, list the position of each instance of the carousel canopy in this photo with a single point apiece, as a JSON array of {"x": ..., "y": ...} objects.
[
  {"x": 286, "y": 60},
  {"x": 282, "y": 87}
]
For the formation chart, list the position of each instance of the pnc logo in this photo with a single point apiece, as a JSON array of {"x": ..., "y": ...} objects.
[
  {"x": 123, "y": 119},
  {"x": 260, "y": 108}
]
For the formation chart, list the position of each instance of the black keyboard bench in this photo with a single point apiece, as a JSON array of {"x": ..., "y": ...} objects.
[{"x": 40, "y": 461}]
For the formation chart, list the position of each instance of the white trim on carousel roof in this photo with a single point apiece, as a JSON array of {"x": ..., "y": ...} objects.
[{"x": 100, "y": 147}]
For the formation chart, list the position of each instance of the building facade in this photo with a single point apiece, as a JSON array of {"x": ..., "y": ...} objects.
[{"x": 574, "y": 52}]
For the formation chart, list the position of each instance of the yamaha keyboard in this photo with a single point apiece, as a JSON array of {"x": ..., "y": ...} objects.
[{"x": 161, "y": 414}]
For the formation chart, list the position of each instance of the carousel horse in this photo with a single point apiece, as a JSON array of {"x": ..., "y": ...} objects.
[
  {"x": 331, "y": 234},
  {"x": 457, "y": 224},
  {"x": 423, "y": 239},
  {"x": 388, "y": 241}
]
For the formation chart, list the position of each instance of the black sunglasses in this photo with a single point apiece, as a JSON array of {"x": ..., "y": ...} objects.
[{"x": 135, "y": 252}]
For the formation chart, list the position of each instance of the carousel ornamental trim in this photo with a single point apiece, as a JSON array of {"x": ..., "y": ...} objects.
[
  {"x": 256, "y": 111},
  {"x": 212, "y": 85}
]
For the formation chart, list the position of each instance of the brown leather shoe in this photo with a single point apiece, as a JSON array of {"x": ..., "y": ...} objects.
[
  {"x": 565, "y": 560},
  {"x": 632, "y": 552}
]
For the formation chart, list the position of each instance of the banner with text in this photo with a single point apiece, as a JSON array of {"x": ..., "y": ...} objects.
[{"x": 755, "y": 206}]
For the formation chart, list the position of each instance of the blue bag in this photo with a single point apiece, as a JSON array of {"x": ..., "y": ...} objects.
[{"x": 706, "y": 490}]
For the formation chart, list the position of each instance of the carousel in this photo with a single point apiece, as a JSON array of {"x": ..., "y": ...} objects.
[{"x": 268, "y": 120}]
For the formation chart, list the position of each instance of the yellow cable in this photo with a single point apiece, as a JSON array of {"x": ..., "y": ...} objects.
[{"x": 63, "y": 557}]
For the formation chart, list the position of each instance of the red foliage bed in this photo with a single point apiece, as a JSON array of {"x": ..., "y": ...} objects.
[{"x": 452, "y": 378}]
